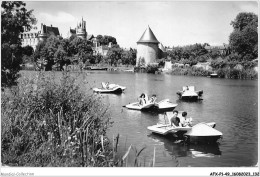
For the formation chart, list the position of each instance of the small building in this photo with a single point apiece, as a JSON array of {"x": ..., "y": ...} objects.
[
  {"x": 147, "y": 48},
  {"x": 238, "y": 67},
  {"x": 167, "y": 66},
  {"x": 205, "y": 65}
]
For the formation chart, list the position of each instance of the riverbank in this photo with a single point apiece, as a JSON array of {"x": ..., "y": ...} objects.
[{"x": 226, "y": 73}]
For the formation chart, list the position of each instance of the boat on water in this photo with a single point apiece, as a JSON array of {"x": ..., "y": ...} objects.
[
  {"x": 97, "y": 68},
  {"x": 213, "y": 75},
  {"x": 164, "y": 105},
  {"x": 109, "y": 88},
  {"x": 189, "y": 93},
  {"x": 201, "y": 132}
]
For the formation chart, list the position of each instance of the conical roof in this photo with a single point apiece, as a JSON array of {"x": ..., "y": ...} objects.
[
  {"x": 148, "y": 37},
  {"x": 161, "y": 47}
]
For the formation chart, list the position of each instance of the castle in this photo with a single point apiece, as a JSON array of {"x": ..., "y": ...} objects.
[{"x": 33, "y": 37}]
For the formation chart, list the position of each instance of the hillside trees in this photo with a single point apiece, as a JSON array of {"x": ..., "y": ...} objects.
[{"x": 14, "y": 17}]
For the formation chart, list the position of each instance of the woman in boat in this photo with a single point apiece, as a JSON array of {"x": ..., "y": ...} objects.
[
  {"x": 142, "y": 100},
  {"x": 175, "y": 121},
  {"x": 185, "y": 122}
]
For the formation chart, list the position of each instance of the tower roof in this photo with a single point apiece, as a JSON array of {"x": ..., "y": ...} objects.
[{"x": 148, "y": 37}]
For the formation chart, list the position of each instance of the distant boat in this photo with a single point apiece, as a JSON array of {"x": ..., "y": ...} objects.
[
  {"x": 189, "y": 93},
  {"x": 96, "y": 68},
  {"x": 111, "y": 88},
  {"x": 129, "y": 70},
  {"x": 213, "y": 75}
]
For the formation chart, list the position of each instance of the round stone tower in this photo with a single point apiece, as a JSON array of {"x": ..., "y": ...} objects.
[{"x": 147, "y": 48}]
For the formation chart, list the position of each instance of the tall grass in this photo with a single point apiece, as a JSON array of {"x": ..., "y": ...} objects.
[{"x": 45, "y": 123}]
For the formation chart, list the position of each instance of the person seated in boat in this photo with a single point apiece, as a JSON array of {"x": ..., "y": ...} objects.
[
  {"x": 142, "y": 100},
  {"x": 107, "y": 85},
  {"x": 185, "y": 122},
  {"x": 175, "y": 121},
  {"x": 187, "y": 88},
  {"x": 152, "y": 99}
]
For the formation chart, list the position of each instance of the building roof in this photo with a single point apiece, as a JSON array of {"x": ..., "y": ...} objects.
[
  {"x": 50, "y": 30},
  {"x": 72, "y": 31},
  {"x": 161, "y": 47},
  {"x": 89, "y": 37},
  {"x": 148, "y": 37}
]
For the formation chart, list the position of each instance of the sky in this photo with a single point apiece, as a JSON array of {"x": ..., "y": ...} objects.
[{"x": 174, "y": 23}]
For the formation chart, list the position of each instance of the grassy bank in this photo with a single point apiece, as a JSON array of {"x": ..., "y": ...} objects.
[{"x": 227, "y": 73}]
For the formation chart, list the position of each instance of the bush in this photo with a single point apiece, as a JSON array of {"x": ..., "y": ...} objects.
[
  {"x": 45, "y": 123},
  {"x": 237, "y": 74},
  {"x": 192, "y": 71},
  {"x": 152, "y": 68}
]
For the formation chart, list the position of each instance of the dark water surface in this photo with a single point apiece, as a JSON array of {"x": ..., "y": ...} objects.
[{"x": 232, "y": 104}]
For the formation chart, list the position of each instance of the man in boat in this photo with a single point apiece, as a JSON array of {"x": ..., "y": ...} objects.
[
  {"x": 185, "y": 122},
  {"x": 175, "y": 121}
]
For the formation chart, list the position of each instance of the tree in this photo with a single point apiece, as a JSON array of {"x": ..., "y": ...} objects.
[
  {"x": 114, "y": 54},
  {"x": 14, "y": 18},
  {"x": 28, "y": 50},
  {"x": 244, "y": 38},
  {"x": 129, "y": 57},
  {"x": 104, "y": 40}
]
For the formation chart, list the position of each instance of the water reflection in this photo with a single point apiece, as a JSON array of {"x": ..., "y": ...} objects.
[{"x": 182, "y": 149}]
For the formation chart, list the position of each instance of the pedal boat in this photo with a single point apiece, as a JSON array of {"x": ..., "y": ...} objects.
[
  {"x": 189, "y": 93},
  {"x": 164, "y": 105},
  {"x": 112, "y": 88}
]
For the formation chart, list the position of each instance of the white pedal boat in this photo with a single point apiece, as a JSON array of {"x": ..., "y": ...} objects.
[
  {"x": 112, "y": 88},
  {"x": 163, "y": 129},
  {"x": 189, "y": 93},
  {"x": 163, "y": 105},
  {"x": 203, "y": 132}
]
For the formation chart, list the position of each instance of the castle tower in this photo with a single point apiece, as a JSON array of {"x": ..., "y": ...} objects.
[
  {"x": 81, "y": 29},
  {"x": 147, "y": 48},
  {"x": 43, "y": 33}
]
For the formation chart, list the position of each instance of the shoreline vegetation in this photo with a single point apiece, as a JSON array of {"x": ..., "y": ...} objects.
[
  {"x": 226, "y": 72},
  {"x": 49, "y": 123}
]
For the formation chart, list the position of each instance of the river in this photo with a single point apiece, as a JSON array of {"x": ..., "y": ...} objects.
[{"x": 232, "y": 104}]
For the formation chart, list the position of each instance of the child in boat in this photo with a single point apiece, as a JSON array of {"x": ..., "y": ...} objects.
[
  {"x": 175, "y": 121},
  {"x": 152, "y": 99},
  {"x": 185, "y": 122}
]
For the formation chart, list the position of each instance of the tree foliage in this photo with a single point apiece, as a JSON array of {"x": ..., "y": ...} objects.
[
  {"x": 14, "y": 17},
  {"x": 114, "y": 54},
  {"x": 244, "y": 38},
  {"x": 105, "y": 40}
]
